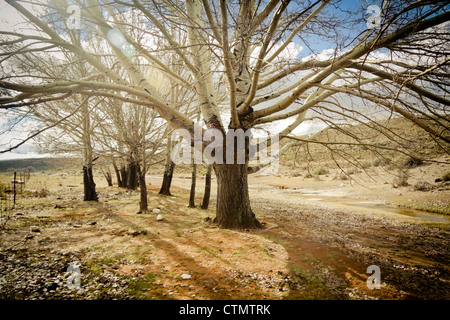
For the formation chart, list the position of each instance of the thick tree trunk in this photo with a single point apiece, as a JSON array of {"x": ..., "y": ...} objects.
[
  {"x": 193, "y": 182},
  {"x": 132, "y": 175},
  {"x": 168, "y": 170},
  {"x": 143, "y": 204},
  {"x": 207, "y": 193},
  {"x": 167, "y": 179},
  {"x": 89, "y": 186},
  {"x": 233, "y": 209}
]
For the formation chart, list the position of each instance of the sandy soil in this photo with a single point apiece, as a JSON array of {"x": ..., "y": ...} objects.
[{"x": 317, "y": 243}]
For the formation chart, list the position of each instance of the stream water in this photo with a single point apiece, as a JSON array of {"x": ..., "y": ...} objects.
[{"x": 338, "y": 196}]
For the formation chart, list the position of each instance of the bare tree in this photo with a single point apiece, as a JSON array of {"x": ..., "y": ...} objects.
[
  {"x": 240, "y": 50},
  {"x": 135, "y": 133},
  {"x": 72, "y": 134}
]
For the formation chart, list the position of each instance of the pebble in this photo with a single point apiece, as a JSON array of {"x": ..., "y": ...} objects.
[
  {"x": 156, "y": 210},
  {"x": 185, "y": 276},
  {"x": 159, "y": 217}
]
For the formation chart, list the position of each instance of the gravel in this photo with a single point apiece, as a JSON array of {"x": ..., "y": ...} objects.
[{"x": 42, "y": 275}]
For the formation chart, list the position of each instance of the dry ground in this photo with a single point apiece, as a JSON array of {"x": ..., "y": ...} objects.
[{"x": 316, "y": 244}]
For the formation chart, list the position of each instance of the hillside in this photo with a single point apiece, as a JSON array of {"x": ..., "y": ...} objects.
[
  {"x": 39, "y": 164},
  {"x": 393, "y": 142}
]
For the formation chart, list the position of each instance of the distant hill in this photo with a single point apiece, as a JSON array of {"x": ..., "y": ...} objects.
[
  {"x": 371, "y": 143},
  {"x": 37, "y": 164}
]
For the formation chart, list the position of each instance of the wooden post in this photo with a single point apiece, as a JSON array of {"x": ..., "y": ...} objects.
[{"x": 14, "y": 183}]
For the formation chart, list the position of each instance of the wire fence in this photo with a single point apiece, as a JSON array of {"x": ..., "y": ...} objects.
[{"x": 10, "y": 193}]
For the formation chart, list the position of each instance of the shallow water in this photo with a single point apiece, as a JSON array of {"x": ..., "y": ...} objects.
[
  {"x": 402, "y": 211},
  {"x": 338, "y": 196}
]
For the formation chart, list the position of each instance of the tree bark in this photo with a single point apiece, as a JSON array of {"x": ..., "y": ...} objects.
[
  {"x": 89, "y": 186},
  {"x": 132, "y": 175},
  {"x": 119, "y": 179},
  {"x": 88, "y": 179},
  {"x": 233, "y": 209},
  {"x": 168, "y": 172},
  {"x": 193, "y": 182},
  {"x": 143, "y": 204},
  {"x": 205, "y": 203},
  {"x": 124, "y": 174},
  {"x": 167, "y": 180},
  {"x": 108, "y": 177}
]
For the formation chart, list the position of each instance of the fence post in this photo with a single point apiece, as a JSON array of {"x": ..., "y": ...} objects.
[{"x": 14, "y": 183}]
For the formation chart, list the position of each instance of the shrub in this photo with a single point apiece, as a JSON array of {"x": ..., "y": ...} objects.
[
  {"x": 446, "y": 177},
  {"x": 401, "y": 180},
  {"x": 423, "y": 186},
  {"x": 381, "y": 162},
  {"x": 320, "y": 171},
  {"x": 296, "y": 173},
  {"x": 343, "y": 176},
  {"x": 412, "y": 162},
  {"x": 366, "y": 164},
  {"x": 352, "y": 170},
  {"x": 31, "y": 169},
  {"x": 43, "y": 193}
]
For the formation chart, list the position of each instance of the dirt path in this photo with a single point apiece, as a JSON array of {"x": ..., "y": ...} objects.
[{"x": 307, "y": 250}]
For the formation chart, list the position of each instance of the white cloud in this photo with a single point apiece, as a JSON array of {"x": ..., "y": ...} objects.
[
  {"x": 323, "y": 55},
  {"x": 12, "y": 20},
  {"x": 29, "y": 155},
  {"x": 291, "y": 52}
]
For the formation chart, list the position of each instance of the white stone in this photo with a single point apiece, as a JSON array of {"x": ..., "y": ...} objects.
[
  {"x": 159, "y": 217},
  {"x": 185, "y": 276},
  {"x": 156, "y": 210}
]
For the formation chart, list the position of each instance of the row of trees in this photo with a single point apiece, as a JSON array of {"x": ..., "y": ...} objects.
[{"x": 227, "y": 65}]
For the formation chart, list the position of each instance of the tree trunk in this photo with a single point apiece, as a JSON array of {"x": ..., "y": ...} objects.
[
  {"x": 143, "y": 204},
  {"x": 167, "y": 179},
  {"x": 233, "y": 209},
  {"x": 119, "y": 180},
  {"x": 132, "y": 175},
  {"x": 124, "y": 174},
  {"x": 193, "y": 181},
  {"x": 168, "y": 170},
  {"x": 88, "y": 179},
  {"x": 108, "y": 177},
  {"x": 207, "y": 193},
  {"x": 89, "y": 186}
]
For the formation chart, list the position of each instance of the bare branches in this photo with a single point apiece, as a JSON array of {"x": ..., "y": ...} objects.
[{"x": 233, "y": 62}]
